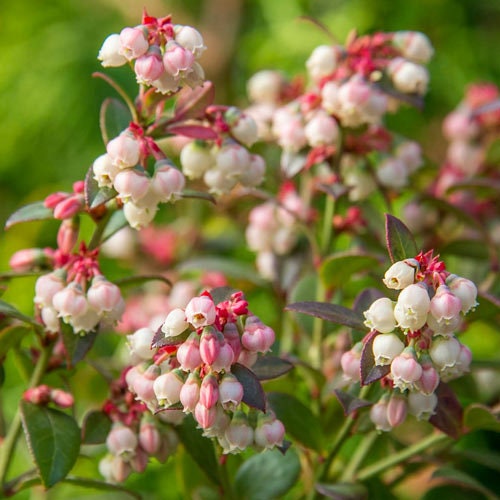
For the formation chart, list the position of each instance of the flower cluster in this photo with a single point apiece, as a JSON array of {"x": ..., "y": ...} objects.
[
  {"x": 77, "y": 293},
  {"x": 414, "y": 338},
  {"x": 122, "y": 169},
  {"x": 164, "y": 54},
  {"x": 191, "y": 372}
]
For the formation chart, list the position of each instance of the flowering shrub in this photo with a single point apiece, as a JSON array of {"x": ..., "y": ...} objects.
[{"x": 243, "y": 369}]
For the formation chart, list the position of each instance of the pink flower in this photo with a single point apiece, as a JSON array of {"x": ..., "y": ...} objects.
[
  {"x": 131, "y": 184},
  {"x": 177, "y": 59},
  {"x": 257, "y": 337},
  {"x": 200, "y": 311},
  {"x": 149, "y": 67},
  {"x": 167, "y": 387},
  {"x": 124, "y": 151},
  {"x": 190, "y": 392},
  {"x": 104, "y": 296},
  {"x": 133, "y": 43},
  {"x": 188, "y": 353},
  {"x": 230, "y": 391},
  {"x": 121, "y": 441},
  {"x": 209, "y": 391},
  {"x": 406, "y": 370}
]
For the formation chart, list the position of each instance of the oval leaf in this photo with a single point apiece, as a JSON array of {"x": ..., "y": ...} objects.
[
  {"x": 114, "y": 117},
  {"x": 253, "y": 393},
  {"x": 400, "y": 242},
  {"x": 33, "y": 211},
  {"x": 267, "y": 475},
  {"x": 10, "y": 337},
  {"x": 343, "y": 491},
  {"x": 95, "y": 428},
  {"x": 11, "y": 312},
  {"x": 449, "y": 413},
  {"x": 299, "y": 421},
  {"x": 270, "y": 367},
  {"x": 199, "y": 448},
  {"x": 77, "y": 346},
  {"x": 53, "y": 439},
  {"x": 94, "y": 195},
  {"x": 349, "y": 402},
  {"x": 116, "y": 222},
  {"x": 478, "y": 416},
  {"x": 336, "y": 270},
  {"x": 329, "y": 312}
]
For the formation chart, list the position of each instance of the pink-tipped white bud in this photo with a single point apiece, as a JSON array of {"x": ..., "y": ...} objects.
[
  {"x": 149, "y": 67},
  {"x": 254, "y": 174},
  {"x": 445, "y": 311},
  {"x": 396, "y": 410},
  {"x": 323, "y": 61},
  {"x": 188, "y": 353},
  {"x": 321, "y": 129},
  {"x": 408, "y": 77},
  {"x": 423, "y": 406},
  {"x": 133, "y": 43},
  {"x": 210, "y": 346},
  {"x": 465, "y": 290},
  {"x": 265, "y": 86},
  {"x": 378, "y": 415},
  {"x": 167, "y": 387},
  {"x": 168, "y": 183},
  {"x": 200, "y": 311},
  {"x": 190, "y": 392},
  {"x": 46, "y": 287},
  {"x": 414, "y": 45},
  {"x": 269, "y": 431},
  {"x": 209, "y": 391},
  {"x": 230, "y": 392},
  {"x": 380, "y": 315},
  {"x": 104, "y": 296},
  {"x": 205, "y": 416},
  {"x": 392, "y": 173},
  {"x": 177, "y": 59},
  {"x": 175, "y": 323},
  {"x": 121, "y": 441},
  {"x": 140, "y": 343},
  {"x": 70, "y": 301},
  {"x": 406, "y": 370},
  {"x": 257, "y": 337},
  {"x": 196, "y": 159},
  {"x": 124, "y": 151},
  {"x": 131, "y": 184},
  {"x": 190, "y": 38},
  {"x": 429, "y": 379}
]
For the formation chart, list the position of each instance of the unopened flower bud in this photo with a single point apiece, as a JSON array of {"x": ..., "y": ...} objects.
[
  {"x": 110, "y": 53},
  {"x": 386, "y": 347},
  {"x": 322, "y": 61},
  {"x": 70, "y": 301},
  {"x": 149, "y": 438},
  {"x": 209, "y": 391},
  {"x": 412, "y": 307},
  {"x": 168, "y": 183},
  {"x": 188, "y": 353},
  {"x": 177, "y": 59},
  {"x": 396, "y": 410},
  {"x": 408, "y": 77},
  {"x": 196, "y": 159},
  {"x": 28, "y": 259},
  {"x": 200, "y": 311},
  {"x": 175, "y": 323},
  {"x": 321, "y": 129},
  {"x": 401, "y": 274},
  {"x": 133, "y": 43},
  {"x": 351, "y": 363},
  {"x": 149, "y": 67},
  {"x": 414, "y": 45},
  {"x": 378, "y": 415},
  {"x": 104, "y": 296},
  {"x": 131, "y": 184},
  {"x": 269, "y": 431},
  {"x": 62, "y": 398},
  {"x": 121, "y": 441},
  {"x": 190, "y": 392},
  {"x": 205, "y": 416},
  {"x": 423, "y": 406},
  {"x": 124, "y": 151},
  {"x": 69, "y": 207},
  {"x": 190, "y": 38},
  {"x": 406, "y": 370},
  {"x": 167, "y": 387},
  {"x": 465, "y": 290},
  {"x": 230, "y": 391},
  {"x": 257, "y": 337},
  {"x": 380, "y": 315},
  {"x": 140, "y": 343}
]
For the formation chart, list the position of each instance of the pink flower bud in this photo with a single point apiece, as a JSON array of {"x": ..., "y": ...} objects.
[
  {"x": 254, "y": 174},
  {"x": 70, "y": 301},
  {"x": 124, "y": 151},
  {"x": 467, "y": 157},
  {"x": 167, "y": 387},
  {"x": 290, "y": 133},
  {"x": 444, "y": 352},
  {"x": 465, "y": 290},
  {"x": 39, "y": 395},
  {"x": 210, "y": 346},
  {"x": 265, "y": 86},
  {"x": 232, "y": 160},
  {"x": 120, "y": 469},
  {"x": 459, "y": 126},
  {"x": 378, "y": 415},
  {"x": 269, "y": 431},
  {"x": 321, "y": 129},
  {"x": 380, "y": 315},
  {"x": 62, "y": 398},
  {"x": 257, "y": 337},
  {"x": 239, "y": 435},
  {"x": 247, "y": 358},
  {"x": 103, "y": 296},
  {"x": 219, "y": 425},
  {"x": 396, "y": 410},
  {"x": 177, "y": 59},
  {"x": 412, "y": 307},
  {"x": 195, "y": 159},
  {"x": 423, "y": 406},
  {"x": 133, "y": 43},
  {"x": 351, "y": 365},
  {"x": 139, "y": 461},
  {"x": 131, "y": 184},
  {"x": 168, "y": 183},
  {"x": 445, "y": 311},
  {"x": 400, "y": 274},
  {"x": 110, "y": 52},
  {"x": 405, "y": 370},
  {"x": 149, "y": 67},
  {"x": 225, "y": 358},
  {"x": 67, "y": 236},
  {"x": 149, "y": 438},
  {"x": 200, "y": 311},
  {"x": 242, "y": 126},
  {"x": 209, "y": 391},
  {"x": 205, "y": 416},
  {"x": 121, "y": 441},
  {"x": 142, "y": 383},
  {"x": 190, "y": 392},
  {"x": 429, "y": 380},
  {"x": 188, "y": 353},
  {"x": 28, "y": 259},
  {"x": 69, "y": 207},
  {"x": 230, "y": 392},
  {"x": 386, "y": 347},
  {"x": 104, "y": 170}
]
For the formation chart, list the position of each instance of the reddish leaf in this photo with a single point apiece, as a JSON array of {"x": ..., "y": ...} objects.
[
  {"x": 159, "y": 339},
  {"x": 449, "y": 413},
  {"x": 349, "y": 402},
  {"x": 193, "y": 132},
  {"x": 329, "y": 312},
  {"x": 400, "y": 242},
  {"x": 253, "y": 393},
  {"x": 191, "y": 103},
  {"x": 270, "y": 367},
  {"x": 370, "y": 372}
]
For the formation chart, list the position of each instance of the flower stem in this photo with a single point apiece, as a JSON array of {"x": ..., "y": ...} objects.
[
  {"x": 358, "y": 456},
  {"x": 405, "y": 454},
  {"x": 10, "y": 440}
]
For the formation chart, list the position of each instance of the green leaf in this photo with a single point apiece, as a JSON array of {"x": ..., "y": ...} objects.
[
  {"x": 253, "y": 393},
  {"x": 77, "y": 346},
  {"x": 343, "y": 491},
  {"x": 11, "y": 336},
  {"x": 95, "y": 195},
  {"x": 159, "y": 339},
  {"x": 299, "y": 421},
  {"x": 267, "y": 475},
  {"x": 95, "y": 428},
  {"x": 191, "y": 103},
  {"x": 12, "y": 312},
  {"x": 270, "y": 367},
  {"x": 102, "y": 485},
  {"x": 455, "y": 476},
  {"x": 466, "y": 248},
  {"x": 116, "y": 222},
  {"x": 370, "y": 372},
  {"x": 53, "y": 439},
  {"x": 28, "y": 213},
  {"x": 198, "y": 195},
  {"x": 400, "y": 242},
  {"x": 477, "y": 416},
  {"x": 329, "y": 312},
  {"x": 199, "y": 448},
  {"x": 349, "y": 402},
  {"x": 338, "y": 269},
  {"x": 114, "y": 117}
]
